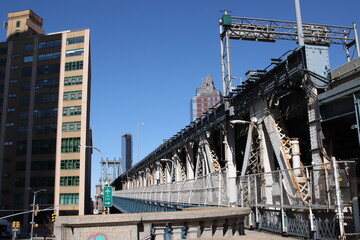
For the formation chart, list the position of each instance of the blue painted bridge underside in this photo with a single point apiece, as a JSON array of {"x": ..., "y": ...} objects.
[{"x": 130, "y": 205}]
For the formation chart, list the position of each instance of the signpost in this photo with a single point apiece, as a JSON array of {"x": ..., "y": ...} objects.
[{"x": 108, "y": 197}]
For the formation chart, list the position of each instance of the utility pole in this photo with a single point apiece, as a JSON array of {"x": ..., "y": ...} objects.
[{"x": 33, "y": 210}]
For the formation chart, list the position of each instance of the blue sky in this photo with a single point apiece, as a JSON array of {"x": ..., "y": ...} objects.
[{"x": 148, "y": 57}]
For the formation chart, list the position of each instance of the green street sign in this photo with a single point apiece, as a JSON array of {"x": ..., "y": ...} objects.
[{"x": 108, "y": 197}]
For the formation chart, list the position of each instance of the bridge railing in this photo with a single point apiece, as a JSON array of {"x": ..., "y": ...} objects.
[
  {"x": 206, "y": 190},
  {"x": 328, "y": 209}
]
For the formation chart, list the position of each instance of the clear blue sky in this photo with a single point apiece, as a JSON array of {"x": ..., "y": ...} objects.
[{"x": 148, "y": 57}]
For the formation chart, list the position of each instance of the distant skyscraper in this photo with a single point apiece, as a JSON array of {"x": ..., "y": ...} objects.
[
  {"x": 126, "y": 151},
  {"x": 206, "y": 97}
]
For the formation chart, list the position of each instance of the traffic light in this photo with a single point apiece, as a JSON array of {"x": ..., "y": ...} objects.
[
  {"x": 53, "y": 216},
  {"x": 36, "y": 210},
  {"x": 36, "y": 225},
  {"x": 15, "y": 224}
]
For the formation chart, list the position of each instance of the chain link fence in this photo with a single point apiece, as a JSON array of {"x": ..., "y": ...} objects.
[{"x": 206, "y": 190}]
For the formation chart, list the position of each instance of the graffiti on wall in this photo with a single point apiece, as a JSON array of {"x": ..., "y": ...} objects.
[{"x": 98, "y": 236}]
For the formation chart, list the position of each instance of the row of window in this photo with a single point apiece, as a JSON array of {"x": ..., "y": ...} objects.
[
  {"x": 48, "y": 83},
  {"x": 42, "y": 45},
  {"x": 72, "y": 111},
  {"x": 47, "y": 128},
  {"x": 72, "y": 95},
  {"x": 69, "y": 199},
  {"x": 70, "y": 66},
  {"x": 49, "y": 56},
  {"x": 70, "y": 145},
  {"x": 71, "y": 126},
  {"x": 44, "y": 146},
  {"x": 38, "y": 128},
  {"x": 73, "y": 80},
  {"x": 53, "y": 43},
  {"x": 70, "y": 164},
  {"x": 38, "y": 113},
  {"x": 48, "y": 112},
  {"x": 48, "y": 146},
  {"x": 35, "y": 182},
  {"x": 36, "y": 165},
  {"x": 69, "y": 181},
  {"x": 39, "y": 84}
]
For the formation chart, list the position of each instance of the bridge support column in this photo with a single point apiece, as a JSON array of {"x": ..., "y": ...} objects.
[
  {"x": 190, "y": 170},
  {"x": 229, "y": 146}
]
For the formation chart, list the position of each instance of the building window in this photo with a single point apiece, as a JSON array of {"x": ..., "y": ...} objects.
[
  {"x": 74, "y": 40},
  {"x": 24, "y": 100},
  {"x": 44, "y": 128},
  {"x": 24, "y": 115},
  {"x": 72, "y": 111},
  {"x": 45, "y": 113},
  {"x": 14, "y": 67},
  {"x": 3, "y": 50},
  {"x": 22, "y": 130},
  {"x": 26, "y": 72},
  {"x": 69, "y": 181},
  {"x": 47, "y": 69},
  {"x": 47, "y": 83},
  {"x": 42, "y": 165},
  {"x": 70, "y": 145},
  {"x": 17, "y": 23},
  {"x": 21, "y": 147},
  {"x": 74, "y": 52},
  {"x": 73, "y": 80},
  {"x": 72, "y": 95},
  {"x": 3, "y": 62},
  {"x": 69, "y": 66},
  {"x": 28, "y": 59},
  {"x": 71, "y": 126},
  {"x": 45, "y": 146},
  {"x": 46, "y": 98},
  {"x": 28, "y": 47},
  {"x": 49, "y": 44},
  {"x": 17, "y": 33},
  {"x": 48, "y": 56},
  {"x": 69, "y": 198},
  {"x": 70, "y": 164},
  {"x": 42, "y": 182}
]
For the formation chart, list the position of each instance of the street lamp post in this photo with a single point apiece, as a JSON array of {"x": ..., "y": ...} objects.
[
  {"x": 107, "y": 180},
  {"x": 33, "y": 210}
]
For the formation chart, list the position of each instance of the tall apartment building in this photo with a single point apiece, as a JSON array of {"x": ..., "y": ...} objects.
[
  {"x": 45, "y": 114},
  {"x": 126, "y": 151},
  {"x": 206, "y": 97}
]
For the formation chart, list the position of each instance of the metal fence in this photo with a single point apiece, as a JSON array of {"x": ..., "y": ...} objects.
[
  {"x": 206, "y": 190},
  {"x": 324, "y": 204},
  {"x": 320, "y": 203}
]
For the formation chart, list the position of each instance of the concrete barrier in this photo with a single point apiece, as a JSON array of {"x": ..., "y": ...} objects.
[{"x": 191, "y": 223}]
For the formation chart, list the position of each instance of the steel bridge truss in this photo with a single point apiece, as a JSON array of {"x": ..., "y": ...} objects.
[{"x": 264, "y": 147}]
